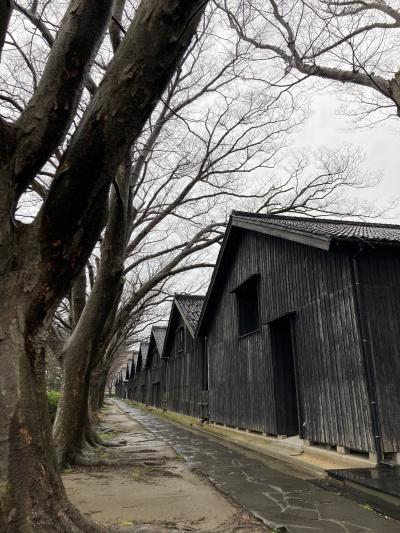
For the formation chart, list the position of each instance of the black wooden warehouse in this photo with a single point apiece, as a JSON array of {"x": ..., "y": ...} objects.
[
  {"x": 302, "y": 321},
  {"x": 140, "y": 375},
  {"x": 155, "y": 367},
  {"x": 298, "y": 335},
  {"x": 186, "y": 371}
]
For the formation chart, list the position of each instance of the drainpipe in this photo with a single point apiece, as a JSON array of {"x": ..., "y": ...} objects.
[{"x": 367, "y": 358}]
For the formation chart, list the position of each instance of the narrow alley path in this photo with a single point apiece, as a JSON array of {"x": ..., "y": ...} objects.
[
  {"x": 282, "y": 501},
  {"x": 145, "y": 487}
]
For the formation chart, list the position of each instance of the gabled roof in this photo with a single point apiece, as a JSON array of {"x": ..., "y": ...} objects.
[
  {"x": 134, "y": 359},
  {"x": 142, "y": 356},
  {"x": 130, "y": 367},
  {"x": 316, "y": 231},
  {"x": 326, "y": 234},
  {"x": 158, "y": 333},
  {"x": 128, "y": 370},
  {"x": 189, "y": 306},
  {"x": 157, "y": 339}
]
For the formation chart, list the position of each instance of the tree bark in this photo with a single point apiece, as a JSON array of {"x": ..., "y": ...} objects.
[
  {"x": 49, "y": 113},
  {"x": 38, "y": 262},
  {"x": 78, "y": 298},
  {"x": 97, "y": 388},
  {"x": 72, "y": 422},
  {"x": 6, "y": 7},
  {"x": 32, "y": 497}
]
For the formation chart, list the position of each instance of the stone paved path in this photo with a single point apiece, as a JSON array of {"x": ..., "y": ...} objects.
[{"x": 283, "y": 502}]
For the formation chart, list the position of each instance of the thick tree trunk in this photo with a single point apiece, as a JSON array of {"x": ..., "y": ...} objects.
[
  {"x": 72, "y": 423},
  {"x": 98, "y": 388},
  {"x": 38, "y": 262},
  {"x": 78, "y": 298},
  {"x": 72, "y": 417},
  {"x": 102, "y": 394},
  {"x": 32, "y": 497},
  {"x": 6, "y": 7}
]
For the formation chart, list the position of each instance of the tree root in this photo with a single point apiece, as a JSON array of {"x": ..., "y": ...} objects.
[
  {"x": 83, "y": 460},
  {"x": 95, "y": 440}
]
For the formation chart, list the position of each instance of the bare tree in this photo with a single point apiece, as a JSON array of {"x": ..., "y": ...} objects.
[
  {"x": 191, "y": 163},
  {"x": 39, "y": 260},
  {"x": 164, "y": 180},
  {"x": 352, "y": 42},
  {"x": 196, "y": 160}
]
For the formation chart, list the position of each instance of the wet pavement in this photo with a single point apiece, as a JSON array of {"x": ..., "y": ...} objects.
[
  {"x": 283, "y": 502},
  {"x": 384, "y": 479}
]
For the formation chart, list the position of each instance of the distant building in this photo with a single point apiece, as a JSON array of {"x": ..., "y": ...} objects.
[
  {"x": 139, "y": 385},
  {"x": 186, "y": 387},
  {"x": 155, "y": 367},
  {"x": 299, "y": 334}
]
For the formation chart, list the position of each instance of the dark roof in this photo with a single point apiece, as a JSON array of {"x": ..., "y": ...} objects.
[
  {"x": 142, "y": 356},
  {"x": 318, "y": 231},
  {"x": 190, "y": 308},
  {"x": 135, "y": 356},
  {"x": 327, "y": 234},
  {"x": 159, "y": 333},
  {"x": 144, "y": 350},
  {"x": 157, "y": 340}
]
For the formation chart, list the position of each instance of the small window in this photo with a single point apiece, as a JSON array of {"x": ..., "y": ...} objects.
[
  {"x": 180, "y": 339},
  {"x": 247, "y": 303}
]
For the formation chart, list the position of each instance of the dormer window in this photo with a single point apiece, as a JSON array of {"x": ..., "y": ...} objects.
[{"x": 247, "y": 305}]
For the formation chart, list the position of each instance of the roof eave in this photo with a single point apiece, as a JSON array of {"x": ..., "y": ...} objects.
[
  {"x": 182, "y": 313},
  {"x": 275, "y": 230},
  {"x": 169, "y": 329},
  {"x": 213, "y": 277}
]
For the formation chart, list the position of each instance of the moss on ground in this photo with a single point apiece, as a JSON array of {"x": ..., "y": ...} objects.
[
  {"x": 168, "y": 415},
  {"x": 53, "y": 397}
]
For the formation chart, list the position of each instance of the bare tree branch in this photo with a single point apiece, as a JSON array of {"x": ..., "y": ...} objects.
[
  {"x": 48, "y": 115},
  {"x": 6, "y": 7}
]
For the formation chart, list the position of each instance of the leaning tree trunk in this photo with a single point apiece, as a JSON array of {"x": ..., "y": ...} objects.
[
  {"x": 72, "y": 423},
  {"x": 98, "y": 384},
  {"x": 39, "y": 261},
  {"x": 31, "y": 491}
]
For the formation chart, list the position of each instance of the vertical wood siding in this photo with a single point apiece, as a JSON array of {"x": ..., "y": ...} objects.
[
  {"x": 380, "y": 286},
  {"x": 316, "y": 285},
  {"x": 141, "y": 380},
  {"x": 155, "y": 374},
  {"x": 184, "y": 375}
]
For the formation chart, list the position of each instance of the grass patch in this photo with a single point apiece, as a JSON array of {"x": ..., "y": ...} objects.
[{"x": 53, "y": 397}]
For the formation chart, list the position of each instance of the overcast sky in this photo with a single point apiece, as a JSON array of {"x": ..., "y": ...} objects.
[{"x": 381, "y": 144}]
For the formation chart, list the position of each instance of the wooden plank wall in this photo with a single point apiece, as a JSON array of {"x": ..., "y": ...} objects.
[
  {"x": 155, "y": 374},
  {"x": 184, "y": 376},
  {"x": 380, "y": 284},
  {"x": 332, "y": 387},
  {"x": 141, "y": 380}
]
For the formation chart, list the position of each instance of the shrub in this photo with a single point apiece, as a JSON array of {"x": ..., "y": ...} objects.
[{"x": 52, "y": 400}]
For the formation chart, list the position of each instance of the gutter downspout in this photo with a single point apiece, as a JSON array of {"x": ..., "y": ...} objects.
[{"x": 367, "y": 358}]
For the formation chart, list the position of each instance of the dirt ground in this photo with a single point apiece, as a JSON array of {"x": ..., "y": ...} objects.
[{"x": 148, "y": 484}]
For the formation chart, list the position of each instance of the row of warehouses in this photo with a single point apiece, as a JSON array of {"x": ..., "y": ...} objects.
[{"x": 298, "y": 334}]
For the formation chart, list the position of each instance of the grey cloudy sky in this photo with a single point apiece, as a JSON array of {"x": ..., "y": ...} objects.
[{"x": 381, "y": 144}]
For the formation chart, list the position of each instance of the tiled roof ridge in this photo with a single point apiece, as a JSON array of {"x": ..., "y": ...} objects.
[{"x": 316, "y": 220}]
